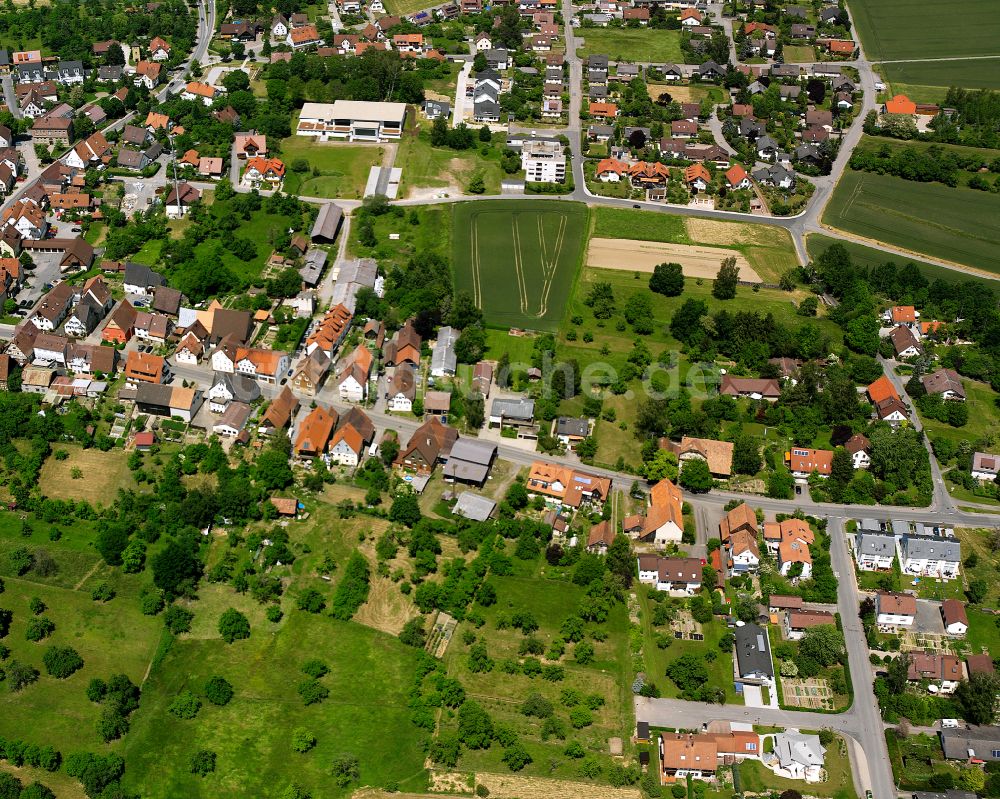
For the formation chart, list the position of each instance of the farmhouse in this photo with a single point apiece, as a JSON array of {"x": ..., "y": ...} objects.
[{"x": 431, "y": 442}]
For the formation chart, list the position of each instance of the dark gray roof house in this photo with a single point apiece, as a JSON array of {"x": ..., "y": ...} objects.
[
  {"x": 981, "y": 743},
  {"x": 30, "y": 73},
  {"x": 598, "y": 62},
  {"x": 110, "y": 73},
  {"x": 829, "y": 14},
  {"x": 141, "y": 276},
  {"x": 132, "y": 159},
  {"x": 802, "y": 31},
  {"x": 513, "y": 410},
  {"x": 952, "y": 794},
  {"x": 785, "y": 70},
  {"x": 928, "y": 547},
  {"x": 876, "y": 544},
  {"x": 753, "y": 653},
  {"x": 711, "y": 70},
  {"x": 795, "y": 11},
  {"x": 470, "y": 461},
  {"x": 327, "y": 223},
  {"x": 597, "y": 76},
  {"x": 568, "y": 426},
  {"x": 437, "y": 108}
]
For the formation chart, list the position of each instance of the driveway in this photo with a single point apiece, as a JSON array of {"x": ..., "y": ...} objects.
[{"x": 928, "y": 619}]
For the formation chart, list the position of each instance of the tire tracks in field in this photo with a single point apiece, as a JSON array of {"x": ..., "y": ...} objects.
[
  {"x": 519, "y": 266},
  {"x": 549, "y": 267}
]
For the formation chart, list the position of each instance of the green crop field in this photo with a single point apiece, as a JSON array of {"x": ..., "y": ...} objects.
[
  {"x": 923, "y": 29},
  {"x": 952, "y": 224},
  {"x": 869, "y": 257},
  {"x": 632, "y": 44},
  {"x": 521, "y": 255},
  {"x": 928, "y": 81}
]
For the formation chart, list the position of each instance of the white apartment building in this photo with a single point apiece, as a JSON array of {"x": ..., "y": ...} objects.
[{"x": 543, "y": 162}]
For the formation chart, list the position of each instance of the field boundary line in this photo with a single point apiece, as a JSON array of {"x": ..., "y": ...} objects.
[{"x": 934, "y": 60}]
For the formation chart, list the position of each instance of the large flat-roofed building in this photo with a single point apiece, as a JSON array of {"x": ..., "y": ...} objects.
[
  {"x": 352, "y": 120},
  {"x": 543, "y": 162}
]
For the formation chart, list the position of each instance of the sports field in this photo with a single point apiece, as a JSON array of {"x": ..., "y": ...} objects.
[
  {"x": 519, "y": 258},
  {"x": 632, "y": 44},
  {"x": 924, "y": 29},
  {"x": 951, "y": 224}
]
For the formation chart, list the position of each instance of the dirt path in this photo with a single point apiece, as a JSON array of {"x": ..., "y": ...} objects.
[
  {"x": 643, "y": 256},
  {"x": 87, "y": 576}
]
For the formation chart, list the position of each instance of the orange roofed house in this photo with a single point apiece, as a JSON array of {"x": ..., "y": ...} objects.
[
  {"x": 738, "y": 531},
  {"x": 567, "y": 486},
  {"x": 803, "y": 462},
  {"x": 314, "y": 433},
  {"x": 900, "y": 104},
  {"x": 699, "y": 756},
  {"x": 141, "y": 367},
  {"x": 881, "y": 390},
  {"x": 663, "y": 521},
  {"x": 603, "y": 110}
]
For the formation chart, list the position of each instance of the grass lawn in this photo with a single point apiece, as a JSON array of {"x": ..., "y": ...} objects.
[
  {"x": 523, "y": 255},
  {"x": 343, "y": 168},
  {"x": 951, "y": 224},
  {"x": 900, "y": 29},
  {"x": 73, "y": 553},
  {"x": 632, "y": 44},
  {"x": 869, "y": 257},
  {"x": 915, "y": 758},
  {"x": 366, "y": 713},
  {"x": 720, "y": 670},
  {"x": 551, "y": 601},
  {"x": 401, "y": 7},
  {"x": 427, "y": 167},
  {"x": 111, "y": 638},
  {"x": 984, "y": 417},
  {"x": 799, "y": 54},
  {"x": 103, "y": 474},
  {"x": 756, "y": 778},
  {"x": 432, "y": 231},
  {"x": 518, "y": 348},
  {"x": 769, "y": 249},
  {"x": 149, "y": 253}
]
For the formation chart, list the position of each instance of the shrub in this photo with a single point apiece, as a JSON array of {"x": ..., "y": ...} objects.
[
  {"x": 580, "y": 717},
  {"x": 233, "y": 625},
  {"x": 178, "y": 619},
  {"x": 203, "y": 762},
  {"x": 104, "y": 592},
  {"x": 313, "y": 691},
  {"x": 62, "y": 661},
  {"x": 185, "y": 705},
  {"x": 20, "y": 675},
  {"x": 39, "y": 628},
  {"x": 315, "y": 668},
  {"x": 302, "y": 740},
  {"x": 218, "y": 690}
]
